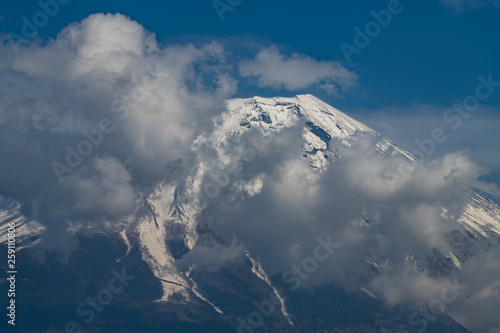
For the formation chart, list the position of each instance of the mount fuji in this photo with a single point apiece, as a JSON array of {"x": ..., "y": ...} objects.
[{"x": 216, "y": 248}]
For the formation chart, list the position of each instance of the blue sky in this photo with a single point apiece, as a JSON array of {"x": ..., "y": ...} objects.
[
  {"x": 427, "y": 53},
  {"x": 426, "y": 59}
]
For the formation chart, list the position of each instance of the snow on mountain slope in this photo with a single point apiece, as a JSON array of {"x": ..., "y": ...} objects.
[
  {"x": 268, "y": 116},
  {"x": 28, "y": 232},
  {"x": 481, "y": 217},
  {"x": 259, "y": 271},
  {"x": 280, "y": 112}
]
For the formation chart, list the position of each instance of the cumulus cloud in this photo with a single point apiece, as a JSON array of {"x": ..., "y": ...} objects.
[
  {"x": 275, "y": 70},
  {"x": 94, "y": 118},
  {"x": 352, "y": 201},
  {"x": 460, "y": 6}
]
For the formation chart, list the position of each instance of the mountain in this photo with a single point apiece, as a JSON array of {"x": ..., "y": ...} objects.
[{"x": 178, "y": 222}]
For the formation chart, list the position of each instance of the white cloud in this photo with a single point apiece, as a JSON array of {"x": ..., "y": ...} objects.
[
  {"x": 353, "y": 203},
  {"x": 107, "y": 191},
  {"x": 460, "y": 6},
  {"x": 275, "y": 70},
  {"x": 296, "y": 204},
  {"x": 107, "y": 68}
]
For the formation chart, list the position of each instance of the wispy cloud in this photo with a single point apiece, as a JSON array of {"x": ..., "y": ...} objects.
[
  {"x": 298, "y": 71},
  {"x": 460, "y": 6},
  {"x": 477, "y": 133}
]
